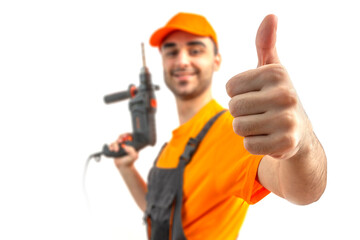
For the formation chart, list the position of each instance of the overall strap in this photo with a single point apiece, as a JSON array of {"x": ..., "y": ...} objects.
[
  {"x": 190, "y": 149},
  {"x": 193, "y": 143},
  {"x": 165, "y": 192}
]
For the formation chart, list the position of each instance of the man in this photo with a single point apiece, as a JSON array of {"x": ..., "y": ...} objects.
[{"x": 217, "y": 163}]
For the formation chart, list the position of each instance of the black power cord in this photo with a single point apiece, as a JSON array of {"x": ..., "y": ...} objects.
[{"x": 97, "y": 158}]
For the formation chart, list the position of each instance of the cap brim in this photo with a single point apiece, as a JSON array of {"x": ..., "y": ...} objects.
[{"x": 159, "y": 35}]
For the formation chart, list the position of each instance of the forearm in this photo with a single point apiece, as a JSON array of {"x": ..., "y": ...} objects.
[
  {"x": 302, "y": 178},
  {"x": 135, "y": 184}
]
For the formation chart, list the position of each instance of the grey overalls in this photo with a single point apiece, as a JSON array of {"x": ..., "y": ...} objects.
[{"x": 165, "y": 193}]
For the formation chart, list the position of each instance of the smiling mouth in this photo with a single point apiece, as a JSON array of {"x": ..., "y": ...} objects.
[{"x": 183, "y": 74}]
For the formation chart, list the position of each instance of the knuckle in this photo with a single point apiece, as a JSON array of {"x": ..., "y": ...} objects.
[
  {"x": 253, "y": 147},
  {"x": 279, "y": 71},
  {"x": 289, "y": 141},
  {"x": 283, "y": 97},
  {"x": 292, "y": 99},
  {"x": 244, "y": 128},
  {"x": 288, "y": 122},
  {"x": 232, "y": 106},
  {"x": 276, "y": 74},
  {"x": 113, "y": 147},
  {"x": 236, "y": 106},
  {"x": 238, "y": 127},
  {"x": 229, "y": 87},
  {"x": 120, "y": 138},
  {"x": 287, "y": 96},
  {"x": 232, "y": 85}
]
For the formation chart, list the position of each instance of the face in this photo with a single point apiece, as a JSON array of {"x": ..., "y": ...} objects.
[{"x": 189, "y": 62}]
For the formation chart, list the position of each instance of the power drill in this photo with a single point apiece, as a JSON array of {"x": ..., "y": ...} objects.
[{"x": 142, "y": 106}]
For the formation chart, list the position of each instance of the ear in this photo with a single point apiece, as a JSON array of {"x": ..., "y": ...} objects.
[{"x": 217, "y": 62}]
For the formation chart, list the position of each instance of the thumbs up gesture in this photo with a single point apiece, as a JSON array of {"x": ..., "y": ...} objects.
[{"x": 264, "y": 103}]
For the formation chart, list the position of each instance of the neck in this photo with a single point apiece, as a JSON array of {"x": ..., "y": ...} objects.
[{"x": 188, "y": 108}]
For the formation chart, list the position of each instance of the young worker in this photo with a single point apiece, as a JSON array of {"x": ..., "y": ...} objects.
[{"x": 219, "y": 162}]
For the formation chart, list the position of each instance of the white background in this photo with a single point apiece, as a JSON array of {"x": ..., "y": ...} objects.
[{"x": 59, "y": 58}]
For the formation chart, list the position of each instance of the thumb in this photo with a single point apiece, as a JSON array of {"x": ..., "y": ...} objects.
[{"x": 266, "y": 41}]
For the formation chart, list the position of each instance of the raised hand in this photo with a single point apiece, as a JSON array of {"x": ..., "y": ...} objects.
[{"x": 264, "y": 103}]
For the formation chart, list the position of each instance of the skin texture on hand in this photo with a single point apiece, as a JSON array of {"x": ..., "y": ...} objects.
[
  {"x": 264, "y": 102},
  {"x": 127, "y": 160},
  {"x": 268, "y": 114}
]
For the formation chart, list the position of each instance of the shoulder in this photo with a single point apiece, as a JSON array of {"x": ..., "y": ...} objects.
[{"x": 224, "y": 122}]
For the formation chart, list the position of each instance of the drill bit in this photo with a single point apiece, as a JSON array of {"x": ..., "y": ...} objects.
[{"x": 143, "y": 54}]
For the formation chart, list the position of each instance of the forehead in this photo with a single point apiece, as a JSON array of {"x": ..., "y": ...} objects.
[{"x": 180, "y": 38}]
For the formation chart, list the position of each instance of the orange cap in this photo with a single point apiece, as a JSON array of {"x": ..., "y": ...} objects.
[{"x": 187, "y": 22}]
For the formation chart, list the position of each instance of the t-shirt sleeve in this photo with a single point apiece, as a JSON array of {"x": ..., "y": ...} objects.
[
  {"x": 244, "y": 167},
  {"x": 247, "y": 186}
]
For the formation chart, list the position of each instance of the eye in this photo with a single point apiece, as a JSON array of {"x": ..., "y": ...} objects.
[
  {"x": 171, "y": 53},
  {"x": 195, "y": 51}
]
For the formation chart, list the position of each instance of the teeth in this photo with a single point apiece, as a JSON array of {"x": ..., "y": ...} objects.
[
  {"x": 183, "y": 74},
  {"x": 179, "y": 73}
]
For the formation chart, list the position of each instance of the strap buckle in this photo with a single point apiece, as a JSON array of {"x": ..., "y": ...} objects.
[{"x": 190, "y": 149}]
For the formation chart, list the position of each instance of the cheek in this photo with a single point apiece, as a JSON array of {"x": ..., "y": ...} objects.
[
  {"x": 204, "y": 65},
  {"x": 167, "y": 67}
]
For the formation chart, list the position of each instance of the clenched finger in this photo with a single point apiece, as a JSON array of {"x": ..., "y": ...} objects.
[
  {"x": 257, "y": 79},
  {"x": 248, "y": 104}
]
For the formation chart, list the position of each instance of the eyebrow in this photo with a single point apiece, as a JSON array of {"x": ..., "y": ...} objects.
[
  {"x": 191, "y": 43},
  {"x": 194, "y": 43},
  {"x": 168, "y": 45}
]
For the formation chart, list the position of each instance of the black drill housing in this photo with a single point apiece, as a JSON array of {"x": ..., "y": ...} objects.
[{"x": 142, "y": 106}]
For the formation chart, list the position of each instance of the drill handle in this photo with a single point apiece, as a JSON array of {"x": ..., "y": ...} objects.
[
  {"x": 106, "y": 151},
  {"x": 119, "y": 96}
]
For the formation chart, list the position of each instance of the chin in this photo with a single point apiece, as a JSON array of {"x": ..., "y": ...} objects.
[{"x": 187, "y": 95}]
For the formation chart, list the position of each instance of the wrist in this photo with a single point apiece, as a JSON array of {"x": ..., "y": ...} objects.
[{"x": 124, "y": 168}]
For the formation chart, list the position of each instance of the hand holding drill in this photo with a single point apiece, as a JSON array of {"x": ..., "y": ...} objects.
[{"x": 142, "y": 106}]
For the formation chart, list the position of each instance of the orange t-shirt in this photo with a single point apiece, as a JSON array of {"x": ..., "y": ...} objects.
[{"x": 219, "y": 182}]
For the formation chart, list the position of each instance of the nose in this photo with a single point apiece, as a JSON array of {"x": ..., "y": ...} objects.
[{"x": 183, "y": 59}]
